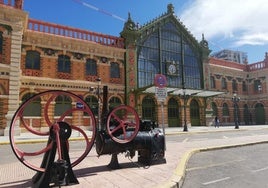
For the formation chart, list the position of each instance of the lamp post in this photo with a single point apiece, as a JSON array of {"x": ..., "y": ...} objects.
[
  {"x": 185, "y": 97},
  {"x": 99, "y": 103},
  {"x": 235, "y": 100}
]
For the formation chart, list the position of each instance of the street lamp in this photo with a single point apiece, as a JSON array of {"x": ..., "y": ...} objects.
[
  {"x": 185, "y": 98},
  {"x": 235, "y": 100},
  {"x": 99, "y": 103}
]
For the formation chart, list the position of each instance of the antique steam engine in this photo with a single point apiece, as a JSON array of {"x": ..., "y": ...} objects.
[
  {"x": 125, "y": 132},
  {"x": 120, "y": 131}
]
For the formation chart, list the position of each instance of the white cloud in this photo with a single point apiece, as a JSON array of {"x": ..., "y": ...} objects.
[{"x": 239, "y": 21}]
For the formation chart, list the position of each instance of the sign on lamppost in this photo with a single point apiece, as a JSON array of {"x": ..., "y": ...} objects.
[
  {"x": 160, "y": 82},
  {"x": 161, "y": 93}
]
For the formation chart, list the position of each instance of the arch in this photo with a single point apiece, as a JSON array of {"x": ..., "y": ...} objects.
[
  {"x": 225, "y": 110},
  {"x": 194, "y": 113},
  {"x": 259, "y": 114},
  {"x": 167, "y": 40},
  {"x": 173, "y": 113},
  {"x": 247, "y": 115},
  {"x": 114, "y": 102},
  {"x": 214, "y": 109},
  {"x": 223, "y": 83},
  {"x": 62, "y": 104},
  {"x": 149, "y": 109},
  {"x": 212, "y": 82},
  {"x": 234, "y": 85},
  {"x": 33, "y": 108}
]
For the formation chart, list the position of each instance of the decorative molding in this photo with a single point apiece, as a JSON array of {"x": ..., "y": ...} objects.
[
  {"x": 229, "y": 78},
  {"x": 78, "y": 56},
  {"x": 262, "y": 77},
  {"x": 239, "y": 79},
  {"x": 49, "y": 51},
  {"x": 218, "y": 76},
  {"x": 104, "y": 59}
]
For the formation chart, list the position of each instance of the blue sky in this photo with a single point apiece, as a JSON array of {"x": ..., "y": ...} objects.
[{"x": 227, "y": 24}]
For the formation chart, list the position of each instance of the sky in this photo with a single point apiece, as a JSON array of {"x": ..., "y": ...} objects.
[{"x": 239, "y": 25}]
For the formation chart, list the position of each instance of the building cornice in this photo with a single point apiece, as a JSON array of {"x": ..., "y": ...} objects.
[{"x": 60, "y": 84}]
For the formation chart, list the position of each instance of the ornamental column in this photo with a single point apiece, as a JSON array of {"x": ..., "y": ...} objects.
[
  {"x": 130, "y": 34},
  {"x": 15, "y": 73}
]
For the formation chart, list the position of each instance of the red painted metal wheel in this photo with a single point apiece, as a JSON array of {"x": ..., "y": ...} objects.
[
  {"x": 123, "y": 124},
  {"x": 51, "y": 110}
]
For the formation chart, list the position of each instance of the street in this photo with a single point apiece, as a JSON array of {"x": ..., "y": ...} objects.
[{"x": 245, "y": 166}]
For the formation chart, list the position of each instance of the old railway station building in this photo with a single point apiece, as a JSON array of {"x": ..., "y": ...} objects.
[{"x": 37, "y": 56}]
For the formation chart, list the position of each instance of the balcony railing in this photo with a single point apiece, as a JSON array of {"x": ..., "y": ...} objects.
[
  {"x": 258, "y": 66},
  {"x": 12, "y": 3},
  {"x": 65, "y": 31}
]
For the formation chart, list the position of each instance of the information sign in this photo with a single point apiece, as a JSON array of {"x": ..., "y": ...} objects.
[{"x": 161, "y": 93}]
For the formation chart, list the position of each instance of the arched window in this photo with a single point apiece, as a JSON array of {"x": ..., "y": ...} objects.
[
  {"x": 148, "y": 109},
  {"x": 234, "y": 85},
  {"x": 92, "y": 102},
  {"x": 33, "y": 108},
  {"x": 194, "y": 110},
  {"x": 91, "y": 67},
  {"x": 214, "y": 108},
  {"x": 115, "y": 70},
  {"x": 165, "y": 43},
  {"x": 225, "y": 110},
  {"x": 63, "y": 103},
  {"x": 64, "y": 64},
  {"x": 257, "y": 85},
  {"x": 32, "y": 60},
  {"x": 194, "y": 113},
  {"x": 223, "y": 83},
  {"x": 114, "y": 102},
  {"x": 247, "y": 115},
  {"x": 173, "y": 108},
  {"x": 212, "y": 82},
  {"x": 173, "y": 113},
  {"x": 244, "y": 86},
  {"x": 259, "y": 114}
]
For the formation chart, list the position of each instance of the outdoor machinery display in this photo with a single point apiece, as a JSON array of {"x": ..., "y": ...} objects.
[{"x": 119, "y": 130}]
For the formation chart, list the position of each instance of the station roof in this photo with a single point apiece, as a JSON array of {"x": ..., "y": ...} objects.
[{"x": 192, "y": 92}]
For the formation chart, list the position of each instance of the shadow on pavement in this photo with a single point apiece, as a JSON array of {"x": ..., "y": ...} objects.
[{"x": 14, "y": 184}]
